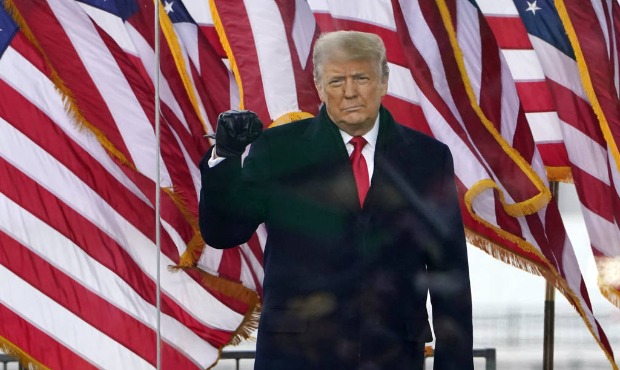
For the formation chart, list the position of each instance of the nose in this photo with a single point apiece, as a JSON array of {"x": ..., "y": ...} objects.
[{"x": 350, "y": 88}]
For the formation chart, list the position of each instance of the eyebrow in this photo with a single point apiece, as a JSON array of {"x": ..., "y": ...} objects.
[{"x": 343, "y": 75}]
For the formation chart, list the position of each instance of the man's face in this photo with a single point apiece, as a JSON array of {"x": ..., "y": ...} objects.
[{"x": 352, "y": 92}]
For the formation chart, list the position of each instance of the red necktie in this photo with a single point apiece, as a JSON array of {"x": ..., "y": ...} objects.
[{"x": 360, "y": 169}]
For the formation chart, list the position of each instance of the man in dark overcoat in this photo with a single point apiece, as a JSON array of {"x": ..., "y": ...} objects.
[{"x": 362, "y": 219}]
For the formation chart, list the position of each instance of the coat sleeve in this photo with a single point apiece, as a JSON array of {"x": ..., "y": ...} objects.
[
  {"x": 449, "y": 285},
  {"x": 233, "y": 198}
]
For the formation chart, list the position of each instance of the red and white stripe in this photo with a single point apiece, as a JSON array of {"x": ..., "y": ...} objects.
[
  {"x": 423, "y": 50},
  {"x": 488, "y": 73},
  {"x": 594, "y": 28},
  {"x": 271, "y": 44},
  {"x": 590, "y": 162},
  {"x": 208, "y": 72},
  {"x": 80, "y": 240},
  {"x": 115, "y": 58},
  {"x": 530, "y": 80},
  {"x": 182, "y": 130},
  {"x": 182, "y": 141},
  {"x": 107, "y": 66}
]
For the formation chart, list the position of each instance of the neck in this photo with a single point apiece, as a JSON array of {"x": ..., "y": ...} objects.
[{"x": 358, "y": 129}]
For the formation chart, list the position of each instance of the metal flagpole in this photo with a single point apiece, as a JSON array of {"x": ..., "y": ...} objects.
[
  {"x": 549, "y": 326},
  {"x": 157, "y": 183}
]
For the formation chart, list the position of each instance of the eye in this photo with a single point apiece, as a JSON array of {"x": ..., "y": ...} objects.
[
  {"x": 362, "y": 79},
  {"x": 335, "y": 82}
]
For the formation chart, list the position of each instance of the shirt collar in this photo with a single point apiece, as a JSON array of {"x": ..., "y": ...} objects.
[{"x": 370, "y": 136}]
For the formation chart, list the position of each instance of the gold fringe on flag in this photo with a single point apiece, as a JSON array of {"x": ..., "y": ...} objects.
[
  {"x": 219, "y": 27},
  {"x": 529, "y": 206},
  {"x": 549, "y": 272},
  {"x": 469, "y": 197},
  {"x": 27, "y": 361},
  {"x": 522, "y": 208},
  {"x": 587, "y": 81},
  {"x": 67, "y": 96},
  {"x": 249, "y": 324},
  {"x": 501, "y": 253},
  {"x": 195, "y": 246},
  {"x": 559, "y": 174},
  {"x": 175, "y": 47}
]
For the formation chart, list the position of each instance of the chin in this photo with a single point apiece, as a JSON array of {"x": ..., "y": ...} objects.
[{"x": 354, "y": 118}]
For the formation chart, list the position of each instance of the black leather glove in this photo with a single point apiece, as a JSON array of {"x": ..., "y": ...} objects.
[{"x": 236, "y": 129}]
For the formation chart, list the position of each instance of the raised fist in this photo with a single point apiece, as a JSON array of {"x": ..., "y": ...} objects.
[{"x": 235, "y": 130}]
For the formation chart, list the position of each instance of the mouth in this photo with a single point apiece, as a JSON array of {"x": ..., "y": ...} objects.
[{"x": 351, "y": 109}]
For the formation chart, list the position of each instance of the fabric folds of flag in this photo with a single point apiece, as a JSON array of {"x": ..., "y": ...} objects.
[
  {"x": 531, "y": 81},
  {"x": 593, "y": 28},
  {"x": 79, "y": 229},
  {"x": 77, "y": 133},
  {"x": 268, "y": 44},
  {"x": 123, "y": 37},
  {"x": 560, "y": 264},
  {"x": 218, "y": 92},
  {"x": 589, "y": 160},
  {"x": 471, "y": 102}
]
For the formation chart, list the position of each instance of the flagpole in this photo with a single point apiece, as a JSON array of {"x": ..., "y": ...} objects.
[
  {"x": 157, "y": 183},
  {"x": 549, "y": 324}
]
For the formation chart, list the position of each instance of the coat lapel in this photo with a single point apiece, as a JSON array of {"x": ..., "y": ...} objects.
[
  {"x": 326, "y": 152},
  {"x": 391, "y": 159}
]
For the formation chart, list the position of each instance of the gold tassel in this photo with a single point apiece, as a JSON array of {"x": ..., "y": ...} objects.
[
  {"x": 248, "y": 325},
  {"x": 560, "y": 174},
  {"x": 525, "y": 207}
]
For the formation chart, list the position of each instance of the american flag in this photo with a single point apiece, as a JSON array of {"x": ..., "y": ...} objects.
[
  {"x": 269, "y": 46},
  {"x": 536, "y": 29},
  {"x": 594, "y": 31},
  {"x": 471, "y": 102},
  {"x": 82, "y": 144},
  {"x": 78, "y": 261},
  {"x": 532, "y": 85}
]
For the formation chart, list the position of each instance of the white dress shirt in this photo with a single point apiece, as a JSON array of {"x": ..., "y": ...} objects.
[{"x": 368, "y": 151}]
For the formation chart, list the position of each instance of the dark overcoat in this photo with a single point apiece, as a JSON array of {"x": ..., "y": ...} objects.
[{"x": 346, "y": 287}]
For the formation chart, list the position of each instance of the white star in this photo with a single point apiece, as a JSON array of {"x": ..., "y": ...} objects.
[
  {"x": 168, "y": 7},
  {"x": 532, "y": 7}
]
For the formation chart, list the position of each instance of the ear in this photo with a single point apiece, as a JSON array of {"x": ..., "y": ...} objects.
[
  {"x": 319, "y": 90},
  {"x": 384, "y": 86}
]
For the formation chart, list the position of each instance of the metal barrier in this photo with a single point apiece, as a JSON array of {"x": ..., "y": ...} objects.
[
  {"x": 487, "y": 353},
  {"x": 238, "y": 356},
  {"x": 489, "y": 356},
  {"x": 7, "y": 359}
]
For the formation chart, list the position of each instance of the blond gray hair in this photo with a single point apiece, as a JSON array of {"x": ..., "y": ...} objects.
[{"x": 349, "y": 45}]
